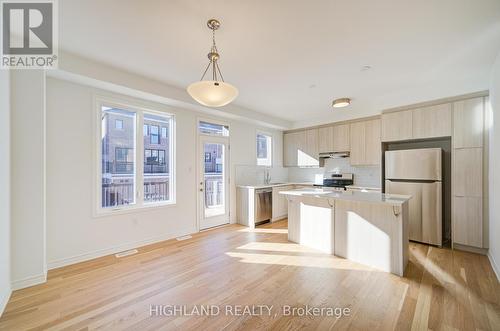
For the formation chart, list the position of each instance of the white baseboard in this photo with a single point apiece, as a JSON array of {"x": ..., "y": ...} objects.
[
  {"x": 4, "y": 299},
  {"x": 115, "y": 249},
  {"x": 28, "y": 281},
  {"x": 494, "y": 266}
]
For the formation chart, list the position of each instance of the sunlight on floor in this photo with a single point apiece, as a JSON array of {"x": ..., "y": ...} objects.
[
  {"x": 439, "y": 274},
  {"x": 327, "y": 262},
  {"x": 444, "y": 278},
  {"x": 264, "y": 230},
  {"x": 278, "y": 247}
]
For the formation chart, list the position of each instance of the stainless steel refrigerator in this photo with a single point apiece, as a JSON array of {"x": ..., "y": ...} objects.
[{"x": 418, "y": 172}]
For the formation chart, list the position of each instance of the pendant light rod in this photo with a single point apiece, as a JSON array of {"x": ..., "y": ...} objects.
[{"x": 213, "y": 56}]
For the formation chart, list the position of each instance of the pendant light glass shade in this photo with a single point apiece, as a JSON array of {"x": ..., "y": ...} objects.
[
  {"x": 215, "y": 92},
  {"x": 212, "y": 93}
]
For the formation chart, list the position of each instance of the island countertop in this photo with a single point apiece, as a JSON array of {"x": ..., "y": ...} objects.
[{"x": 373, "y": 197}]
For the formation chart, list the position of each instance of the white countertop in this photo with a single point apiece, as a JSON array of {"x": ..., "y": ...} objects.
[
  {"x": 357, "y": 187},
  {"x": 258, "y": 186},
  {"x": 370, "y": 196}
]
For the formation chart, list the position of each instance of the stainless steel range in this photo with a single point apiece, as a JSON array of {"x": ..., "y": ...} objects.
[{"x": 337, "y": 181}]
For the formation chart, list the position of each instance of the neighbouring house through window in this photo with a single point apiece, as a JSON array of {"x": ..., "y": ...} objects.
[
  {"x": 120, "y": 153},
  {"x": 119, "y": 124},
  {"x": 213, "y": 129},
  {"x": 154, "y": 133}
]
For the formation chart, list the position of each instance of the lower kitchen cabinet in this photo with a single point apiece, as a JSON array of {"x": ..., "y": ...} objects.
[
  {"x": 468, "y": 221},
  {"x": 280, "y": 203}
]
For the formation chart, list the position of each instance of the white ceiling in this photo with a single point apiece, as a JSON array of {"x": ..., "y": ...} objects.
[{"x": 289, "y": 58}]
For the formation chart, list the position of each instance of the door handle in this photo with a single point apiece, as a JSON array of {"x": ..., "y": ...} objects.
[{"x": 201, "y": 190}]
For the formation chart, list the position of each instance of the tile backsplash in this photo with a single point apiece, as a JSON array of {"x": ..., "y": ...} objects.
[
  {"x": 368, "y": 176},
  {"x": 254, "y": 175}
]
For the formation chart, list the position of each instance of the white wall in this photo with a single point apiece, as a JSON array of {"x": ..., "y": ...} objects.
[
  {"x": 73, "y": 234},
  {"x": 27, "y": 178},
  {"x": 494, "y": 166},
  {"x": 5, "y": 289}
]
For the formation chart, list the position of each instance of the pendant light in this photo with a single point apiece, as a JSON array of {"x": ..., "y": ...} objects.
[{"x": 215, "y": 92}]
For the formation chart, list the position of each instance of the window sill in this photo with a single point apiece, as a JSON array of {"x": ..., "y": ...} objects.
[{"x": 100, "y": 213}]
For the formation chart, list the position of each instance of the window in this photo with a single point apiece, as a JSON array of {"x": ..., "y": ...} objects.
[
  {"x": 154, "y": 156},
  {"x": 119, "y": 124},
  {"x": 154, "y": 132},
  {"x": 213, "y": 129},
  {"x": 121, "y": 186},
  {"x": 164, "y": 132},
  {"x": 124, "y": 154},
  {"x": 161, "y": 156},
  {"x": 264, "y": 150},
  {"x": 157, "y": 168},
  {"x": 118, "y": 177}
]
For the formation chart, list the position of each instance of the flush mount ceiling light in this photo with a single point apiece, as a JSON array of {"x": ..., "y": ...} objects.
[
  {"x": 215, "y": 92},
  {"x": 342, "y": 102}
]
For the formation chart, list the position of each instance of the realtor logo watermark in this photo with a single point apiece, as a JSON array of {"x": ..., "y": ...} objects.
[{"x": 29, "y": 34}]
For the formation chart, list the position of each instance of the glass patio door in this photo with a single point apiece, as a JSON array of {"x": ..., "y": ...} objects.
[{"x": 213, "y": 183}]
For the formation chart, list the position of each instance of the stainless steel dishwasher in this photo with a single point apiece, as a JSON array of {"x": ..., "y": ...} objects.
[{"x": 263, "y": 205}]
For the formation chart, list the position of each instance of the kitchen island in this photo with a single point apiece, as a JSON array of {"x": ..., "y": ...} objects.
[{"x": 367, "y": 227}]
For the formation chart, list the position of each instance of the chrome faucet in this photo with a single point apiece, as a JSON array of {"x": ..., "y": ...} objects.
[{"x": 267, "y": 176}]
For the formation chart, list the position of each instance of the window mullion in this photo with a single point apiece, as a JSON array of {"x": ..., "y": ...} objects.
[{"x": 139, "y": 160}]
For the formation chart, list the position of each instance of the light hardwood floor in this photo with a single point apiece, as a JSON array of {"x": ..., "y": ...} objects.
[{"x": 232, "y": 265}]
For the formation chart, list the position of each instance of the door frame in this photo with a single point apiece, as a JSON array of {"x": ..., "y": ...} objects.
[{"x": 200, "y": 139}]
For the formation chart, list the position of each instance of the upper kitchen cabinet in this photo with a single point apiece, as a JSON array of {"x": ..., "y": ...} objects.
[
  {"x": 432, "y": 122},
  {"x": 357, "y": 143},
  {"x": 373, "y": 143},
  {"x": 365, "y": 142},
  {"x": 292, "y": 143},
  {"x": 325, "y": 139},
  {"x": 300, "y": 148},
  {"x": 309, "y": 156},
  {"x": 333, "y": 138},
  {"x": 397, "y": 126},
  {"x": 468, "y": 118},
  {"x": 419, "y": 123},
  {"x": 341, "y": 138}
]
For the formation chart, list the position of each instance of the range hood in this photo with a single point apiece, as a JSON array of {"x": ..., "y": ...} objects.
[{"x": 334, "y": 155}]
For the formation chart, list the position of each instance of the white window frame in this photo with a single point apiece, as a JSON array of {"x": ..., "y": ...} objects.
[
  {"x": 264, "y": 133},
  {"x": 140, "y": 204},
  {"x": 211, "y": 121}
]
